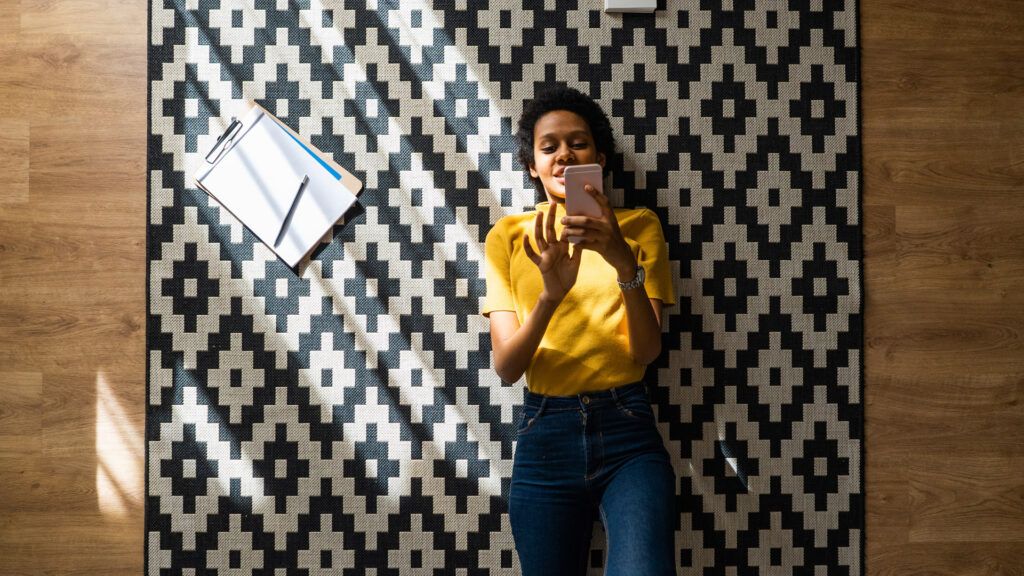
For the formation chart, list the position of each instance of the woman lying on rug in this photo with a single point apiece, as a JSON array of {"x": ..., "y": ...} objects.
[{"x": 582, "y": 327}]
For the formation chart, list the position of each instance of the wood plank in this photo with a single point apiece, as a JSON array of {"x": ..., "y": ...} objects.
[
  {"x": 966, "y": 498},
  {"x": 941, "y": 74},
  {"x": 944, "y": 559},
  {"x": 62, "y": 542},
  {"x": 894, "y": 433},
  {"x": 887, "y": 502},
  {"x": 948, "y": 336},
  {"x": 922, "y": 23},
  {"x": 958, "y": 414},
  {"x": 879, "y": 230},
  {"x": 47, "y": 258},
  {"x": 956, "y": 396},
  {"x": 51, "y": 18},
  {"x": 20, "y": 419},
  {"x": 10, "y": 23},
  {"x": 101, "y": 152},
  {"x": 982, "y": 245},
  {"x": 58, "y": 322},
  {"x": 89, "y": 447},
  {"x": 76, "y": 76},
  {"x": 41, "y": 354},
  {"x": 14, "y": 160},
  {"x": 973, "y": 171}
]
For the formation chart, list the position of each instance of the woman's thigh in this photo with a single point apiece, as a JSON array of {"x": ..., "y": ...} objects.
[
  {"x": 551, "y": 514},
  {"x": 639, "y": 515},
  {"x": 552, "y": 538},
  {"x": 637, "y": 493}
]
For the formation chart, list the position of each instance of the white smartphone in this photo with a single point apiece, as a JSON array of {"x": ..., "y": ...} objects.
[{"x": 578, "y": 202}]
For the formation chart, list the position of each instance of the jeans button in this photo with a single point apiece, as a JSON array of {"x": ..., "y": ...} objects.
[{"x": 586, "y": 399}]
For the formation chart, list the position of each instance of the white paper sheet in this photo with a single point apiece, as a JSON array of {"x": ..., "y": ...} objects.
[{"x": 259, "y": 176}]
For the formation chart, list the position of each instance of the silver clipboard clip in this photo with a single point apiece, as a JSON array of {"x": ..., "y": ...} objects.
[{"x": 224, "y": 141}]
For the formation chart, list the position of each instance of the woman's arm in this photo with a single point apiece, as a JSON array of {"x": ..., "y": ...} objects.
[
  {"x": 514, "y": 346},
  {"x": 643, "y": 315},
  {"x": 642, "y": 312}
]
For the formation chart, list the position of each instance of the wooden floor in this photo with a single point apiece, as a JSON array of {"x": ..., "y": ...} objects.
[{"x": 943, "y": 128}]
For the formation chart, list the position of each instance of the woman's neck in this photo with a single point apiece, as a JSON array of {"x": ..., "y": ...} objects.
[{"x": 554, "y": 199}]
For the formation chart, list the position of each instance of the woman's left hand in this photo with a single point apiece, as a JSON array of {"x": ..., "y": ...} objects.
[{"x": 602, "y": 235}]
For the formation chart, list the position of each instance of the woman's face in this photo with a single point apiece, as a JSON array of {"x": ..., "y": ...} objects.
[{"x": 561, "y": 138}]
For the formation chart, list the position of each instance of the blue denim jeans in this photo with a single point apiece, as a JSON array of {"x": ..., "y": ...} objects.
[{"x": 588, "y": 456}]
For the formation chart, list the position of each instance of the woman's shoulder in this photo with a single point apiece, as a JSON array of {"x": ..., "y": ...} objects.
[
  {"x": 516, "y": 219},
  {"x": 638, "y": 212},
  {"x": 510, "y": 224},
  {"x": 639, "y": 217},
  {"x": 641, "y": 225}
]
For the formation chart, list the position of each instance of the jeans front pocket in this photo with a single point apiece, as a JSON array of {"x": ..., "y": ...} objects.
[
  {"x": 530, "y": 414},
  {"x": 637, "y": 407}
]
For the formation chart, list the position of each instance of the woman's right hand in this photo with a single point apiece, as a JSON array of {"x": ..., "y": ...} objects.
[{"x": 557, "y": 268}]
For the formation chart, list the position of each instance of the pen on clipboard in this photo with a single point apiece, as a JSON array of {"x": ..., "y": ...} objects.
[{"x": 295, "y": 202}]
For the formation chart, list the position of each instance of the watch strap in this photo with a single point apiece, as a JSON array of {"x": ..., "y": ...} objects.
[{"x": 636, "y": 282}]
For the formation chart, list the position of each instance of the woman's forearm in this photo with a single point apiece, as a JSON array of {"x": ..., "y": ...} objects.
[
  {"x": 644, "y": 331},
  {"x": 512, "y": 356}
]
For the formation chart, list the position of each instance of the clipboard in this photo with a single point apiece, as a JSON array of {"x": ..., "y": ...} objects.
[{"x": 254, "y": 170}]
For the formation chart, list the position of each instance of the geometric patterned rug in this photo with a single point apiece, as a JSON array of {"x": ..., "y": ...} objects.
[{"x": 344, "y": 417}]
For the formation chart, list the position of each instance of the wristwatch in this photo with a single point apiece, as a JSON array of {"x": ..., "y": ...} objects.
[{"x": 637, "y": 280}]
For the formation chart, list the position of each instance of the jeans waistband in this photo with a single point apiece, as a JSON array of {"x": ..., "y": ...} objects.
[{"x": 583, "y": 400}]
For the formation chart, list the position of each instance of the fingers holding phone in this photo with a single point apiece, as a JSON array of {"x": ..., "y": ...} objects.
[
  {"x": 589, "y": 212},
  {"x": 579, "y": 202}
]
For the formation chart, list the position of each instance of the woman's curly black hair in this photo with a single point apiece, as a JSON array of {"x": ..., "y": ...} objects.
[{"x": 562, "y": 97}]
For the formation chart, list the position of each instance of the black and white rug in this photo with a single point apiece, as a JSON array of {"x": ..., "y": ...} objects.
[{"x": 344, "y": 418}]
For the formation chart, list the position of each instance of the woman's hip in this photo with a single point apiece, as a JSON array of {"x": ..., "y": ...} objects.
[{"x": 564, "y": 440}]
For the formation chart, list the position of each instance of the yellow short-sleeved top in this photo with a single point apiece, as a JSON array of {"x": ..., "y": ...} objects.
[{"x": 586, "y": 345}]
